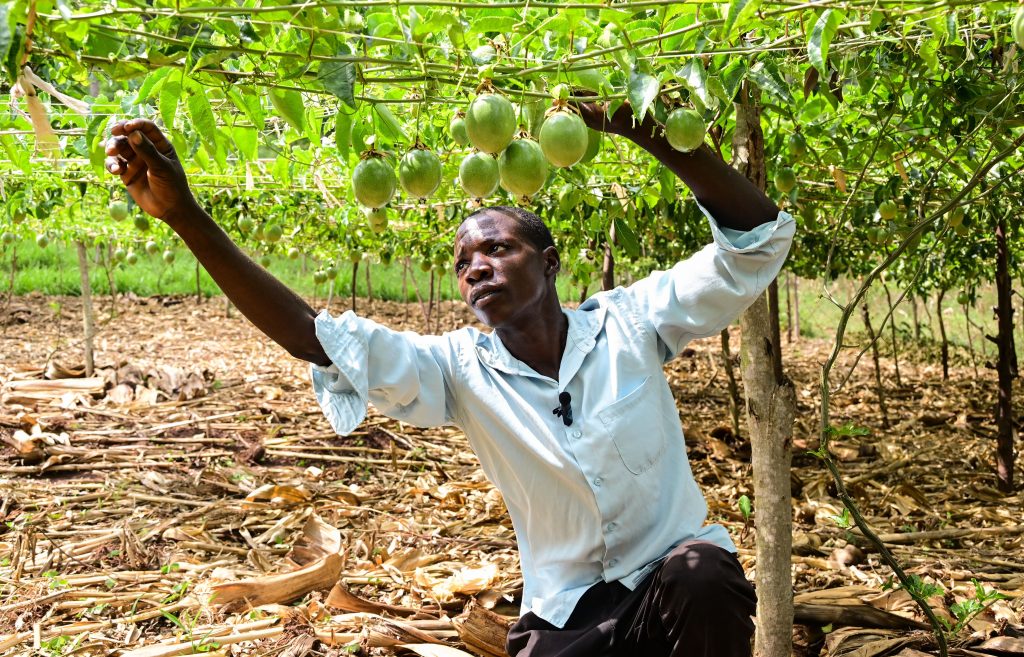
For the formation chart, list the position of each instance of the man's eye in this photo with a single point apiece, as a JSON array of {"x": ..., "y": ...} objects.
[
  {"x": 459, "y": 266},
  {"x": 495, "y": 247}
]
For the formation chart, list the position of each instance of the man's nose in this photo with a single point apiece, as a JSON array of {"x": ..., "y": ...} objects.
[{"x": 479, "y": 269}]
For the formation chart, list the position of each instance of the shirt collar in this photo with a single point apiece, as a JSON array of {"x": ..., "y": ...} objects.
[{"x": 585, "y": 323}]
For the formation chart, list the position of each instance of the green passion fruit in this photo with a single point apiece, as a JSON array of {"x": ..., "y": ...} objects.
[
  {"x": 490, "y": 123},
  {"x": 141, "y": 222},
  {"x": 522, "y": 168},
  {"x": 272, "y": 233},
  {"x": 294, "y": 253},
  {"x": 42, "y": 241},
  {"x": 265, "y": 261},
  {"x": 131, "y": 258},
  {"x": 797, "y": 146},
  {"x": 377, "y": 218},
  {"x": 319, "y": 277},
  {"x": 457, "y": 129},
  {"x": 785, "y": 180},
  {"x": 246, "y": 224},
  {"x": 478, "y": 174},
  {"x": 373, "y": 181},
  {"x": 7, "y": 238},
  {"x": 887, "y": 210},
  {"x": 593, "y": 145},
  {"x": 563, "y": 138},
  {"x": 419, "y": 172},
  {"x": 120, "y": 255},
  {"x": 684, "y": 129},
  {"x": 168, "y": 256},
  {"x": 152, "y": 247},
  {"x": 956, "y": 217},
  {"x": 118, "y": 210}
]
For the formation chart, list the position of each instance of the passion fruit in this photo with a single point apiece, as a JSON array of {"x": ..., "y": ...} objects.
[
  {"x": 377, "y": 218},
  {"x": 131, "y": 258},
  {"x": 490, "y": 123},
  {"x": 593, "y": 145},
  {"x": 457, "y": 129},
  {"x": 120, "y": 255},
  {"x": 42, "y": 241},
  {"x": 7, "y": 238},
  {"x": 141, "y": 222},
  {"x": 685, "y": 129},
  {"x": 319, "y": 277},
  {"x": 478, "y": 174},
  {"x": 419, "y": 172},
  {"x": 956, "y": 217},
  {"x": 152, "y": 247},
  {"x": 272, "y": 233},
  {"x": 887, "y": 210},
  {"x": 294, "y": 253},
  {"x": 522, "y": 168},
  {"x": 118, "y": 210},
  {"x": 373, "y": 181},
  {"x": 563, "y": 138},
  {"x": 168, "y": 256},
  {"x": 265, "y": 261},
  {"x": 785, "y": 180},
  {"x": 245, "y": 224},
  {"x": 797, "y": 146}
]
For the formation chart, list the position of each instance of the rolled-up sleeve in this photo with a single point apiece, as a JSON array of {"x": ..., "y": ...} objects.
[
  {"x": 703, "y": 294},
  {"x": 401, "y": 373}
]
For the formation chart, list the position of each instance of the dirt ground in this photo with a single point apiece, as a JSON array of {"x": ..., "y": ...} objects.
[{"x": 198, "y": 463}]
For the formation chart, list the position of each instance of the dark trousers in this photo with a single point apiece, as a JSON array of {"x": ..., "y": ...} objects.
[{"x": 697, "y": 604}]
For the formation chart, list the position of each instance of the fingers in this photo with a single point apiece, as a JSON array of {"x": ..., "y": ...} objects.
[{"x": 149, "y": 129}]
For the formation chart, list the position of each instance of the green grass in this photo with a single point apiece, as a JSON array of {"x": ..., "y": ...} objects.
[{"x": 54, "y": 271}]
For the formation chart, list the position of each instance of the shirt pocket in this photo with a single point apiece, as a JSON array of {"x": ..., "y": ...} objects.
[{"x": 636, "y": 426}]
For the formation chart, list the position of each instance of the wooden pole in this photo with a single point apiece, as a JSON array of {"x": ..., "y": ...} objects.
[{"x": 88, "y": 318}]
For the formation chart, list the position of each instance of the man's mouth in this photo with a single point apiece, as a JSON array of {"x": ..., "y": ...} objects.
[{"x": 484, "y": 293}]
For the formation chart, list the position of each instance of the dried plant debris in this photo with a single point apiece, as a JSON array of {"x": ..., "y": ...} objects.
[{"x": 189, "y": 497}]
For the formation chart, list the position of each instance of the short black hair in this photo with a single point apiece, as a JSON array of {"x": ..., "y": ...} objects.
[{"x": 530, "y": 225}]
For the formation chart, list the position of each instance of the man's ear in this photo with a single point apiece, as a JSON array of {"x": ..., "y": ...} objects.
[{"x": 552, "y": 261}]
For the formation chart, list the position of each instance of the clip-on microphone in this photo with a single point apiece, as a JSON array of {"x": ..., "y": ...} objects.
[{"x": 564, "y": 410}]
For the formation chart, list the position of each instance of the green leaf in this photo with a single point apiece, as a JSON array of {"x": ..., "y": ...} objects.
[
  {"x": 289, "y": 106},
  {"x": 626, "y": 238},
  {"x": 343, "y": 133},
  {"x": 248, "y": 103},
  {"x": 388, "y": 124},
  {"x": 170, "y": 94},
  {"x": 766, "y": 75},
  {"x": 746, "y": 507},
  {"x": 500, "y": 24},
  {"x": 201, "y": 113},
  {"x": 339, "y": 78},
  {"x": 821, "y": 38},
  {"x": 693, "y": 75},
  {"x": 738, "y": 14},
  {"x": 5, "y": 31},
  {"x": 642, "y": 91},
  {"x": 151, "y": 84},
  {"x": 246, "y": 141}
]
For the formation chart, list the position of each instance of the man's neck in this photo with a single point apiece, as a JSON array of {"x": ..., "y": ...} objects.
[{"x": 539, "y": 341}]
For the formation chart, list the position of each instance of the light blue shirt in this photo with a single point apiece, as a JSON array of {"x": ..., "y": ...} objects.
[{"x": 609, "y": 496}]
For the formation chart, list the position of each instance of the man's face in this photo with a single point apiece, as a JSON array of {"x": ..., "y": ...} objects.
[{"x": 501, "y": 274}]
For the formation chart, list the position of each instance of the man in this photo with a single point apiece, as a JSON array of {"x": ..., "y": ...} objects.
[{"x": 568, "y": 411}]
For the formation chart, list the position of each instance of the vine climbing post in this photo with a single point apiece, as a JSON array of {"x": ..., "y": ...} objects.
[
  {"x": 88, "y": 318},
  {"x": 771, "y": 406}
]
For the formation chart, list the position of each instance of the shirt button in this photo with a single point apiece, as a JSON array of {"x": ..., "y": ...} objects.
[
  {"x": 612, "y": 526},
  {"x": 598, "y": 481},
  {"x": 577, "y": 434},
  {"x": 613, "y": 563}
]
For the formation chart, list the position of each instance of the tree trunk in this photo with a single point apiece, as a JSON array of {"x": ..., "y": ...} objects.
[
  {"x": 942, "y": 335},
  {"x": 879, "y": 389},
  {"x": 355, "y": 270},
  {"x": 88, "y": 318},
  {"x": 199, "y": 287},
  {"x": 608, "y": 266},
  {"x": 892, "y": 330},
  {"x": 771, "y": 404},
  {"x": 1004, "y": 366},
  {"x": 734, "y": 390},
  {"x": 789, "y": 308}
]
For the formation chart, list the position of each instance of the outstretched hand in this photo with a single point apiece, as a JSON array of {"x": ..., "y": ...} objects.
[{"x": 145, "y": 160}]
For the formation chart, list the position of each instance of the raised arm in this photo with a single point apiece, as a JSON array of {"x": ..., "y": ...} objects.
[
  {"x": 731, "y": 199},
  {"x": 150, "y": 169}
]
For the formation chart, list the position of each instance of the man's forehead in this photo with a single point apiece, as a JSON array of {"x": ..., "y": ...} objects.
[{"x": 483, "y": 226}]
